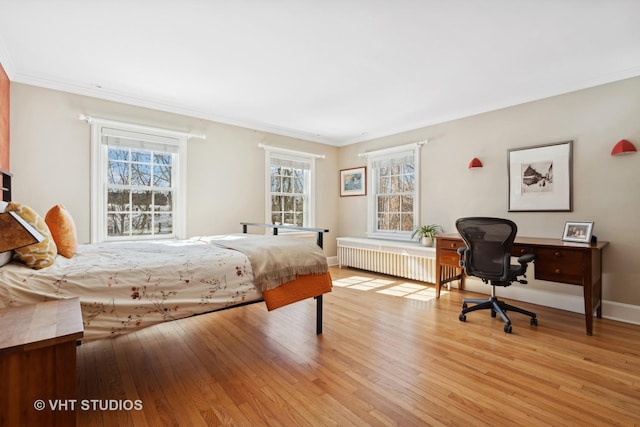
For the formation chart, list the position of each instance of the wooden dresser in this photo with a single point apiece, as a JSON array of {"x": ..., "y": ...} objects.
[
  {"x": 556, "y": 261},
  {"x": 38, "y": 362}
]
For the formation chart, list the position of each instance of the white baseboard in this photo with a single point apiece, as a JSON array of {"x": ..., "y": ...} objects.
[
  {"x": 622, "y": 312},
  {"x": 610, "y": 310}
]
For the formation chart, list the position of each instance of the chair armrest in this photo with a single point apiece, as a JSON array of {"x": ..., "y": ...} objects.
[
  {"x": 526, "y": 258},
  {"x": 462, "y": 250}
]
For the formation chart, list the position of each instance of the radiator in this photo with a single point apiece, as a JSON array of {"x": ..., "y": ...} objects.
[{"x": 410, "y": 263}]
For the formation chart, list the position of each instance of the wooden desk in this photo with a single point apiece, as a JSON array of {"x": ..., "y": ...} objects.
[
  {"x": 38, "y": 362},
  {"x": 556, "y": 261}
]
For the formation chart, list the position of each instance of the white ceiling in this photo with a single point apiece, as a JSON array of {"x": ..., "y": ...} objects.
[{"x": 331, "y": 71}]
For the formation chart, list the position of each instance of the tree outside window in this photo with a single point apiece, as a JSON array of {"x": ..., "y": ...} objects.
[
  {"x": 139, "y": 192},
  {"x": 288, "y": 198},
  {"x": 395, "y": 197}
]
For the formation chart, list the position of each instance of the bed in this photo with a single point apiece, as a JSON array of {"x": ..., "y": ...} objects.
[{"x": 126, "y": 286}]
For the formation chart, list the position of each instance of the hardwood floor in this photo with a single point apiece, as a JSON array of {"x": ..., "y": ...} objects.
[{"x": 390, "y": 354}]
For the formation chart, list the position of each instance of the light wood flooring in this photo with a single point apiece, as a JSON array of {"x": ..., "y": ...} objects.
[{"x": 390, "y": 354}]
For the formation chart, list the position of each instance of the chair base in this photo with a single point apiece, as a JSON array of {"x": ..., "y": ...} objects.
[{"x": 496, "y": 306}]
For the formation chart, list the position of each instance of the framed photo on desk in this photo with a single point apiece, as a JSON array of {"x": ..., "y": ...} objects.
[{"x": 577, "y": 231}]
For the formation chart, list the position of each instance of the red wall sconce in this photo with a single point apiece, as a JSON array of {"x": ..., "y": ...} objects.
[
  {"x": 475, "y": 163},
  {"x": 623, "y": 147}
]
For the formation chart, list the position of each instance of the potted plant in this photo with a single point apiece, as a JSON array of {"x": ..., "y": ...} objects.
[{"x": 426, "y": 233}]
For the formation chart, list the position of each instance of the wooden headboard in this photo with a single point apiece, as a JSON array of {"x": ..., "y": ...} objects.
[{"x": 5, "y": 185}]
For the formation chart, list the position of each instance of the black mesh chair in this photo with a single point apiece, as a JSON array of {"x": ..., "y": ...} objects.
[{"x": 487, "y": 255}]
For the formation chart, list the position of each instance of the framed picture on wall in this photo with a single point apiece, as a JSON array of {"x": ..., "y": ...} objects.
[
  {"x": 353, "y": 182},
  {"x": 540, "y": 178},
  {"x": 577, "y": 231}
]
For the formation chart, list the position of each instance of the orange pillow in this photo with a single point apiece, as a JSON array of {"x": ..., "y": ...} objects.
[
  {"x": 38, "y": 255},
  {"x": 63, "y": 230}
]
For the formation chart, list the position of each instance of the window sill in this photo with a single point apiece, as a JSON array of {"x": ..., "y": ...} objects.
[{"x": 396, "y": 237}]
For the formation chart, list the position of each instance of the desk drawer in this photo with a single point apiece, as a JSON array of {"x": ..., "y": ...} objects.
[
  {"x": 519, "y": 250},
  {"x": 452, "y": 244},
  {"x": 448, "y": 257},
  {"x": 558, "y": 265}
]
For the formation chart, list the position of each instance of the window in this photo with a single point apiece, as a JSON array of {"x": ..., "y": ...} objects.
[
  {"x": 289, "y": 194},
  {"x": 290, "y": 181},
  {"x": 139, "y": 192},
  {"x": 138, "y": 187},
  {"x": 393, "y": 208}
]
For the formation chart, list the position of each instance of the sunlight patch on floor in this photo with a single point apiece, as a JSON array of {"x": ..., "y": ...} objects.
[
  {"x": 348, "y": 281},
  {"x": 362, "y": 283},
  {"x": 411, "y": 291},
  {"x": 414, "y": 291}
]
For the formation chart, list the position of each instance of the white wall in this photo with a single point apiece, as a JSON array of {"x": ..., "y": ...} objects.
[
  {"x": 605, "y": 188},
  {"x": 50, "y": 161}
]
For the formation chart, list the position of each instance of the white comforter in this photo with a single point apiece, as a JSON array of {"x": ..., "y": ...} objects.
[{"x": 128, "y": 286}]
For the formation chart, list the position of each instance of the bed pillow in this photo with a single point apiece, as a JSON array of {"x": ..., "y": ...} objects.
[
  {"x": 63, "y": 230},
  {"x": 38, "y": 255}
]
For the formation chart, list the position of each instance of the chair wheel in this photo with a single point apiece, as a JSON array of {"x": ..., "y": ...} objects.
[
  {"x": 493, "y": 313},
  {"x": 462, "y": 317},
  {"x": 534, "y": 321},
  {"x": 507, "y": 328}
]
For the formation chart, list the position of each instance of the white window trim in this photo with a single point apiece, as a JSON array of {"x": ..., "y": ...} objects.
[
  {"x": 311, "y": 158},
  {"x": 371, "y": 196},
  {"x": 99, "y": 165}
]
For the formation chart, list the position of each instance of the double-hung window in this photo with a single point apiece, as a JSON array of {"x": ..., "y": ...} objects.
[
  {"x": 393, "y": 205},
  {"x": 289, "y": 192},
  {"x": 138, "y": 183}
]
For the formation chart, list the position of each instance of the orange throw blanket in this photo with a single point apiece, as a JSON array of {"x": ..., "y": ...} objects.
[{"x": 301, "y": 288}]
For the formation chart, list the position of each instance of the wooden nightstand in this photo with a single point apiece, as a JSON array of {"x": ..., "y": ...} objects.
[{"x": 38, "y": 362}]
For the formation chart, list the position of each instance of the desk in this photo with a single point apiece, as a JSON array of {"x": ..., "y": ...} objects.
[
  {"x": 556, "y": 261},
  {"x": 38, "y": 361}
]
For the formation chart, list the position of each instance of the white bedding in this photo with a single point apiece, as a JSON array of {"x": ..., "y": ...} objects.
[{"x": 128, "y": 286}]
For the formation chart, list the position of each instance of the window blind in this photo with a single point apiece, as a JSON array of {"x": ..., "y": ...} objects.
[
  {"x": 286, "y": 161},
  {"x": 137, "y": 140},
  {"x": 397, "y": 159}
]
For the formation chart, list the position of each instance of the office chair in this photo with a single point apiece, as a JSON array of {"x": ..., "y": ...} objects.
[{"x": 487, "y": 255}]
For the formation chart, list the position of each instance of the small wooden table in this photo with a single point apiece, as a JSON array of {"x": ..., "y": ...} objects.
[{"x": 38, "y": 363}]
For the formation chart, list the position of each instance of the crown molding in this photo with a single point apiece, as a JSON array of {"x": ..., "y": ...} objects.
[{"x": 162, "y": 105}]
